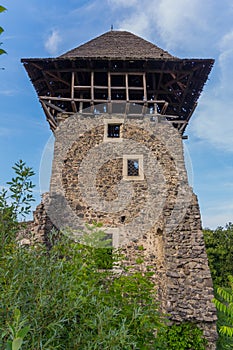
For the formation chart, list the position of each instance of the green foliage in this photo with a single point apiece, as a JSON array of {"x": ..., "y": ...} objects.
[
  {"x": 20, "y": 188},
  {"x": 224, "y": 304},
  {"x": 61, "y": 298},
  {"x": 17, "y": 331},
  {"x": 15, "y": 202},
  {"x": 99, "y": 245},
  {"x": 185, "y": 336},
  {"x": 219, "y": 247},
  {"x": 2, "y": 9},
  {"x": 70, "y": 304}
]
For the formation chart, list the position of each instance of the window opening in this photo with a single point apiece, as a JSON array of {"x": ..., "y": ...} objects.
[
  {"x": 123, "y": 219},
  {"x": 114, "y": 130},
  {"x": 133, "y": 167}
]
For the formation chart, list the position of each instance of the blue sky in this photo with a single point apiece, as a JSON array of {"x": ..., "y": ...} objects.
[{"x": 186, "y": 28}]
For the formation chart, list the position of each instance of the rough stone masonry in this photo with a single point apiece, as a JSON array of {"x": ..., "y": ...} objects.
[
  {"x": 152, "y": 213},
  {"x": 118, "y": 106}
]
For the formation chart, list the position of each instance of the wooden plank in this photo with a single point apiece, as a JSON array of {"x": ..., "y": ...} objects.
[
  {"x": 57, "y": 78},
  {"x": 51, "y": 105},
  {"x": 92, "y": 86},
  {"x": 72, "y": 85},
  {"x": 109, "y": 86},
  {"x": 127, "y": 86},
  {"x": 74, "y": 108},
  {"x": 49, "y": 116},
  {"x": 82, "y": 87},
  {"x": 81, "y": 104},
  {"x": 100, "y": 87},
  {"x": 118, "y": 87},
  {"x": 53, "y": 98},
  {"x": 136, "y": 88},
  {"x": 144, "y": 86},
  {"x": 109, "y": 107},
  {"x": 164, "y": 108}
]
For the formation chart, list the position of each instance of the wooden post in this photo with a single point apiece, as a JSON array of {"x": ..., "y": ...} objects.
[
  {"x": 72, "y": 85},
  {"x": 127, "y": 87}
]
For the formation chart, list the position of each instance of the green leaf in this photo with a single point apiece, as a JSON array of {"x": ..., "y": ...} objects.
[
  {"x": 12, "y": 329},
  {"x": 9, "y": 345},
  {"x": 2, "y": 51},
  {"x": 1, "y": 30},
  {"x": 17, "y": 314},
  {"x": 2, "y": 9},
  {"x": 226, "y": 330},
  {"x": 16, "y": 344},
  {"x": 23, "y": 332}
]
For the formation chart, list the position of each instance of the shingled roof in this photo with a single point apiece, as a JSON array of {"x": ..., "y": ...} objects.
[
  {"x": 83, "y": 77},
  {"x": 118, "y": 45}
]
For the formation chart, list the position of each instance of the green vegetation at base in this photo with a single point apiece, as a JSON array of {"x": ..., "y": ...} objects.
[
  {"x": 184, "y": 336},
  {"x": 62, "y": 298},
  {"x": 219, "y": 247}
]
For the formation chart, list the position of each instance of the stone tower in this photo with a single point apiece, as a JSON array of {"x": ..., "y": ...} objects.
[{"x": 118, "y": 107}]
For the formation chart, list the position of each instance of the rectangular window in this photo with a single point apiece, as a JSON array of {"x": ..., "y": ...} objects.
[
  {"x": 133, "y": 167},
  {"x": 114, "y": 130}
]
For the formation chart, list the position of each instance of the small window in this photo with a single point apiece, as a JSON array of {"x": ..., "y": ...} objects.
[
  {"x": 133, "y": 167},
  {"x": 113, "y": 130}
]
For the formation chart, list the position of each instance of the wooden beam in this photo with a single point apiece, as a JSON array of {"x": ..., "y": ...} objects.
[
  {"x": 56, "y": 77},
  {"x": 164, "y": 108},
  {"x": 50, "y": 118},
  {"x": 144, "y": 87},
  {"x": 74, "y": 108},
  {"x": 51, "y": 105},
  {"x": 127, "y": 86},
  {"x": 92, "y": 86},
  {"x": 72, "y": 85},
  {"x": 109, "y": 86}
]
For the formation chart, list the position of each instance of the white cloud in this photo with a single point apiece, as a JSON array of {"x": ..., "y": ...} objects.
[
  {"x": 189, "y": 26},
  {"x": 214, "y": 122},
  {"x": 225, "y": 59},
  {"x": 218, "y": 215},
  {"x": 177, "y": 23},
  {"x": 137, "y": 24},
  {"x": 52, "y": 42}
]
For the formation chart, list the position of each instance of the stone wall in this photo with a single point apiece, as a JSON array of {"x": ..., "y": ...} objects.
[{"x": 156, "y": 217}]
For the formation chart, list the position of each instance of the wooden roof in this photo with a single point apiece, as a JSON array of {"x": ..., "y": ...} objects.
[
  {"x": 118, "y": 45},
  {"x": 177, "y": 81}
]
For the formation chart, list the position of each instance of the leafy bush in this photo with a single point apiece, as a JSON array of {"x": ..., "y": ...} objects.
[
  {"x": 224, "y": 305},
  {"x": 184, "y": 336},
  {"x": 62, "y": 298},
  {"x": 219, "y": 247},
  {"x": 70, "y": 304},
  {"x": 15, "y": 202},
  {"x": 59, "y": 298}
]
